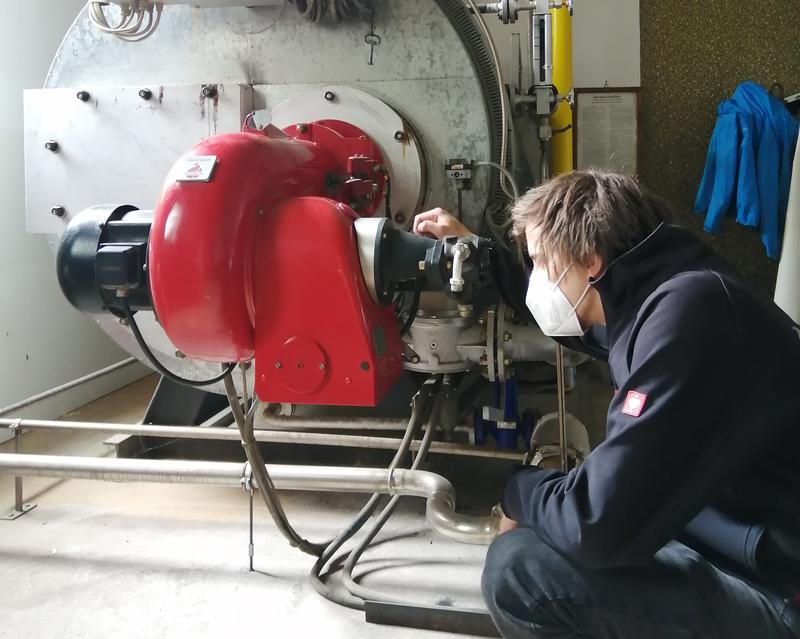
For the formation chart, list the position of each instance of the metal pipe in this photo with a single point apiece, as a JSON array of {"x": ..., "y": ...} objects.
[
  {"x": 346, "y": 425},
  {"x": 438, "y": 491},
  {"x": 18, "y": 504},
  {"x": 561, "y": 52},
  {"x": 264, "y": 436},
  {"x": 326, "y": 422},
  {"x": 65, "y": 387}
]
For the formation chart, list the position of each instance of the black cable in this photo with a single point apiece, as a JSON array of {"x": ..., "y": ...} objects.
[
  {"x": 137, "y": 334},
  {"x": 412, "y": 314},
  {"x": 388, "y": 195}
]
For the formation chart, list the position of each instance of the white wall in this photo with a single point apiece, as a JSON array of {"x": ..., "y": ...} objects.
[
  {"x": 606, "y": 43},
  {"x": 43, "y": 341}
]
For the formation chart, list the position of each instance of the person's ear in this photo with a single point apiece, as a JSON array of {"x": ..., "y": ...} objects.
[{"x": 595, "y": 267}]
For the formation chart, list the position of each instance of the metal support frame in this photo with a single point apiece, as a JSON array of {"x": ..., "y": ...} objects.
[
  {"x": 263, "y": 436},
  {"x": 440, "y": 618},
  {"x": 20, "y": 507},
  {"x": 174, "y": 403}
]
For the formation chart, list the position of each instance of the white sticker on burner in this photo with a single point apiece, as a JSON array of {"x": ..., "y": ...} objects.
[{"x": 199, "y": 168}]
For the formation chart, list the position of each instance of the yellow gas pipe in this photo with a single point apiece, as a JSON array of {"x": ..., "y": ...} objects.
[{"x": 561, "y": 160}]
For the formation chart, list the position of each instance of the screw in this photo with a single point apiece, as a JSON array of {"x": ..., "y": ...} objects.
[
  {"x": 180, "y": 355},
  {"x": 330, "y": 96},
  {"x": 364, "y": 366},
  {"x": 145, "y": 94},
  {"x": 400, "y": 136},
  {"x": 415, "y": 360},
  {"x": 123, "y": 321},
  {"x": 322, "y": 367},
  {"x": 209, "y": 91},
  {"x": 507, "y": 362},
  {"x": 277, "y": 364},
  {"x": 52, "y": 145},
  {"x": 302, "y": 128},
  {"x": 83, "y": 96},
  {"x": 58, "y": 210}
]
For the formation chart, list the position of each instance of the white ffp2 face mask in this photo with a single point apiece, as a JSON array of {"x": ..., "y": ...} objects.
[{"x": 551, "y": 309}]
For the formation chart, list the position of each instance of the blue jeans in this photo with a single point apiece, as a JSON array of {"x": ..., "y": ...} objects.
[{"x": 533, "y": 591}]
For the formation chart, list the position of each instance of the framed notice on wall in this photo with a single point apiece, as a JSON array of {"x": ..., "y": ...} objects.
[{"x": 606, "y": 129}]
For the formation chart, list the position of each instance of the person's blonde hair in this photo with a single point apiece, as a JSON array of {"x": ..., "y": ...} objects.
[{"x": 585, "y": 213}]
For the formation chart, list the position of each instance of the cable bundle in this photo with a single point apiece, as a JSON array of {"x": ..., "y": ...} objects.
[
  {"x": 316, "y": 10},
  {"x": 139, "y": 19}
]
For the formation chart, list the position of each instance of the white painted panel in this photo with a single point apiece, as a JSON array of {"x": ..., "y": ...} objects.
[{"x": 115, "y": 147}]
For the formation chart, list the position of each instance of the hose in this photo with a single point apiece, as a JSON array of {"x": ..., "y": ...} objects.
[
  {"x": 419, "y": 405},
  {"x": 263, "y": 481},
  {"x": 354, "y": 588}
]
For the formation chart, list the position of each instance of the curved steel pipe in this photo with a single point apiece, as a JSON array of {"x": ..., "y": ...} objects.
[{"x": 438, "y": 491}]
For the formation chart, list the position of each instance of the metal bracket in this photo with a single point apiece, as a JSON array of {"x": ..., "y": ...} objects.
[
  {"x": 18, "y": 512},
  {"x": 247, "y": 477},
  {"x": 20, "y": 507}
]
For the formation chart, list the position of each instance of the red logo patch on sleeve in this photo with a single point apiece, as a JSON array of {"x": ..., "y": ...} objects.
[{"x": 634, "y": 404}]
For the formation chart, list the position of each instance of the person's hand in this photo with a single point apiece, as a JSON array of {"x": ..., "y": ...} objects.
[
  {"x": 507, "y": 524},
  {"x": 439, "y": 224}
]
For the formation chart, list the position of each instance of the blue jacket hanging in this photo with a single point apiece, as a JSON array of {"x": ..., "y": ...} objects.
[{"x": 749, "y": 164}]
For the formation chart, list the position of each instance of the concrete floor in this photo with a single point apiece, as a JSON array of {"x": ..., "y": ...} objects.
[{"x": 138, "y": 560}]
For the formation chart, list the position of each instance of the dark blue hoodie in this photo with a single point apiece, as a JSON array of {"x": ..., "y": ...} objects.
[{"x": 703, "y": 432}]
